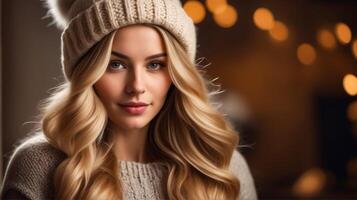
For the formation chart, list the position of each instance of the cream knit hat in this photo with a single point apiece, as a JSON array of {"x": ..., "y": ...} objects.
[{"x": 85, "y": 22}]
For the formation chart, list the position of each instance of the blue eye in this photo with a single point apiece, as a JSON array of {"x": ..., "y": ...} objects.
[
  {"x": 155, "y": 65},
  {"x": 116, "y": 65}
]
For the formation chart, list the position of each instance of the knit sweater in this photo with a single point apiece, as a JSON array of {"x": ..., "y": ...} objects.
[{"x": 29, "y": 174}]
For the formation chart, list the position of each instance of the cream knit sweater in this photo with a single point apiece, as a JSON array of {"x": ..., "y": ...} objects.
[{"x": 30, "y": 170}]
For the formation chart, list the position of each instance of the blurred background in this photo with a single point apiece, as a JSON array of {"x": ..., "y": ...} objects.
[{"x": 288, "y": 69}]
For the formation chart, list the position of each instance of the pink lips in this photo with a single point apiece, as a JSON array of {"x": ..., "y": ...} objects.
[{"x": 134, "y": 107}]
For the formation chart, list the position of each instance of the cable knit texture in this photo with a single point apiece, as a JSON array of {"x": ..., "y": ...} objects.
[
  {"x": 88, "y": 21},
  {"x": 29, "y": 174}
]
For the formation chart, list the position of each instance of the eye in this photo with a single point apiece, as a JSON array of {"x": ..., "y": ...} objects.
[
  {"x": 156, "y": 65},
  {"x": 116, "y": 65}
]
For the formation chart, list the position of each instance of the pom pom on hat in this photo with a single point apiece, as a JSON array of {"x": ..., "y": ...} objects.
[{"x": 59, "y": 10}]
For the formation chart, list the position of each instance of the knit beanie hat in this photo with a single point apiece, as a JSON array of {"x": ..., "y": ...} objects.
[{"x": 85, "y": 22}]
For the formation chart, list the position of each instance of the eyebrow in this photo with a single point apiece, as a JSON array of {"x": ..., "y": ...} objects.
[{"x": 120, "y": 55}]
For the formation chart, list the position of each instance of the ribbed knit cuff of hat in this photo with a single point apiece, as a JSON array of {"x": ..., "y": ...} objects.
[{"x": 91, "y": 22}]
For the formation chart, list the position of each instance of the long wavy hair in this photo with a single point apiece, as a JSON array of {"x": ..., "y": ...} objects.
[{"x": 189, "y": 134}]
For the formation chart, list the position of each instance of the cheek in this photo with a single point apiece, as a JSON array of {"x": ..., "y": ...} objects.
[
  {"x": 108, "y": 88},
  {"x": 160, "y": 86}
]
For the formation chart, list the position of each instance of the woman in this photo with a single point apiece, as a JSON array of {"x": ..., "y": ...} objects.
[{"x": 133, "y": 120}]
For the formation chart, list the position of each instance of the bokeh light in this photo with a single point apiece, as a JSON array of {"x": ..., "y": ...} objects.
[
  {"x": 350, "y": 84},
  {"x": 216, "y": 6},
  {"x": 263, "y": 19},
  {"x": 352, "y": 111},
  {"x": 354, "y": 48},
  {"x": 326, "y": 39},
  {"x": 310, "y": 183},
  {"x": 306, "y": 54},
  {"x": 226, "y": 18},
  {"x": 195, "y": 10},
  {"x": 279, "y": 32},
  {"x": 343, "y": 33}
]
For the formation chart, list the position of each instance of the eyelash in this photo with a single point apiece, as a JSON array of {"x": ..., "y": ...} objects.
[{"x": 121, "y": 63}]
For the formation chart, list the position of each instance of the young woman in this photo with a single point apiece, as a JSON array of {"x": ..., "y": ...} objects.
[{"x": 134, "y": 118}]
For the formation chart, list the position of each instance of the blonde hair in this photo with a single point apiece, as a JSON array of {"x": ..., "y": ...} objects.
[{"x": 193, "y": 139}]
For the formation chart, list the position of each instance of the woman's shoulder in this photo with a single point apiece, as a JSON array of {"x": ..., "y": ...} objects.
[
  {"x": 239, "y": 167},
  {"x": 31, "y": 167},
  {"x": 34, "y": 151}
]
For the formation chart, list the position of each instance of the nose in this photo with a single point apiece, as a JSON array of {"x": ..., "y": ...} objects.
[{"x": 135, "y": 81}]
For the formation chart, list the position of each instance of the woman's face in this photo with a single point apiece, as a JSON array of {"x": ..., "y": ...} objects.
[{"x": 137, "y": 73}]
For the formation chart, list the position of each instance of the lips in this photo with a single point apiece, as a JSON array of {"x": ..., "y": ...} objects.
[
  {"x": 134, "y": 107},
  {"x": 134, "y": 104}
]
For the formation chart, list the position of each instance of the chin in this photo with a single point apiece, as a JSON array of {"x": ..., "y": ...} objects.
[{"x": 133, "y": 123}]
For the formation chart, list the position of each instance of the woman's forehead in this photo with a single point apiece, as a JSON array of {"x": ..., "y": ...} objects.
[{"x": 138, "y": 40}]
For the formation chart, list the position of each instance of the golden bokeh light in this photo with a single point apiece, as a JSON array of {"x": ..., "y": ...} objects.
[
  {"x": 354, "y": 48},
  {"x": 216, "y": 6},
  {"x": 350, "y": 84},
  {"x": 310, "y": 183},
  {"x": 326, "y": 39},
  {"x": 352, "y": 111},
  {"x": 306, "y": 54},
  {"x": 195, "y": 10},
  {"x": 279, "y": 32},
  {"x": 226, "y": 18},
  {"x": 263, "y": 19},
  {"x": 343, "y": 33}
]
